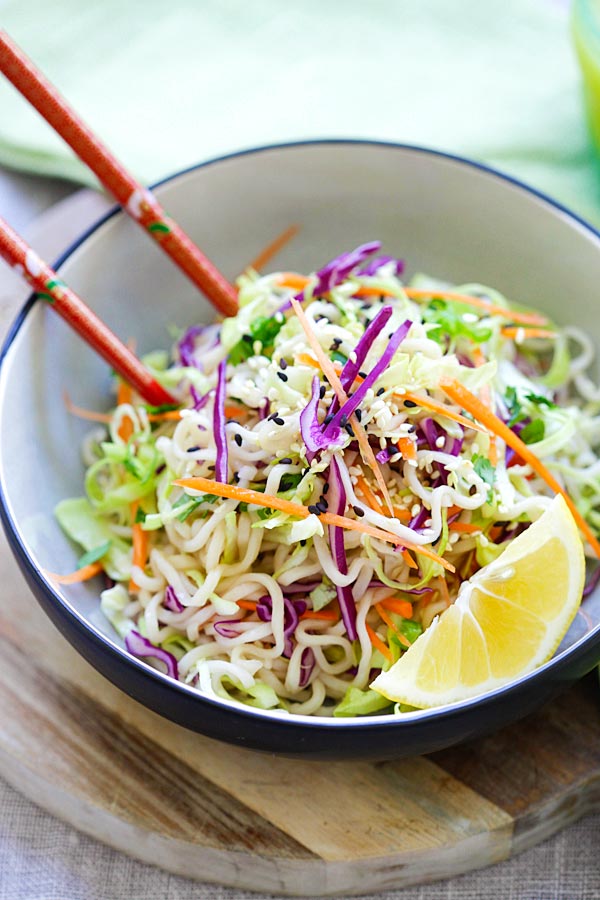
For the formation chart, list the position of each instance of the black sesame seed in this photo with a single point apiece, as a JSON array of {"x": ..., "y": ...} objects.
[
  {"x": 411, "y": 429},
  {"x": 286, "y": 461},
  {"x": 211, "y": 468},
  {"x": 248, "y": 338},
  {"x": 328, "y": 418},
  {"x": 380, "y": 392},
  {"x": 343, "y": 421},
  {"x": 236, "y": 477},
  {"x": 278, "y": 420},
  {"x": 322, "y": 391},
  {"x": 325, "y": 488},
  {"x": 362, "y": 374},
  {"x": 336, "y": 342},
  {"x": 283, "y": 364},
  {"x": 238, "y": 439},
  {"x": 410, "y": 403},
  {"x": 390, "y": 335},
  {"x": 282, "y": 375},
  {"x": 313, "y": 508},
  {"x": 358, "y": 414},
  {"x": 305, "y": 471},
  {"x": 303, "y": 543},
  {"x": 321, "y": 506},
  {"x": 350, "y": 430},
  {"x": 192, "y": 449},
  {"x": 358, "y": 511}
]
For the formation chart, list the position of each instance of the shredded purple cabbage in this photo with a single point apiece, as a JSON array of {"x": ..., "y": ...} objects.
[
  {"x": 351, "y": 369},
  {"x": 373, "y": 266},
  {"x": 307, "y": 664},
  {"x": 312, "y": 434},
  {"x": 380, "y": 366},
  {"x": 265, "y": 409},
  {"x": 221, "y": 462},
  {"x": 172, "y": 601},
  {"x": 198, "y": 400},
  {"x": 142, "y": 648},
  {"x": 293, "y": 609},
  {"x": 336, "y": 499},
  {"x": 224, "y": 629},
  {"x": 189, "y": 347},
  {"x": 338, "y": 269}
]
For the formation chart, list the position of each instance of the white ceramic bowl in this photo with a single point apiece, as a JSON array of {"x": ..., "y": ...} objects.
[{"x": 443, "y": 215}]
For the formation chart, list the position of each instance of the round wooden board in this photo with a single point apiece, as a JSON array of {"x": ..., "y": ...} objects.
[{"x": 89, "y": 754}]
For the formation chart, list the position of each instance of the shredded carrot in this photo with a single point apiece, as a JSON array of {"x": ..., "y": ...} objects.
[
  {"x": 293, "y": 280},
  {"x": 495, "y": 532},
  {"x": 268, "y": 252},
  {"x": 400, "y": 607},
  {"x": 247, "y": 604},
  {"x": 523, "y": 334},
  {"x": 140, "y": 545},
  {"x": 391, "y": 624},
  {"x": 257, "y": 498},
  {"x": 401, "y": 513},
  {"x": 334, "y": 381},
  {"x": 491, "y": 308},
  {"x": 378, "y": 643},
  {"x": 124, "y": 395},
  {"x": 408, "y": 559},
  {"x": 305, "y": 360},
  {"x": 407, "y": 448},
  {"x": 469, "y": 402},
  {"x": 434, "y": 406},
  {"x": 370, "y": 497},
  {"x": 485, "y": 393},
  {"x": 235, "y": 412},
  {"x": 93, "y": 416},
  {"x": 464, "y": 527},
  {"x": 83, "y": 574},
  {"x": 328, "y": 615},
  {"x": 444, "y": 589}
]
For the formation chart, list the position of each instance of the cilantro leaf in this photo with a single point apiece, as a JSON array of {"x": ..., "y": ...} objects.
[
  {"x": 262, "y": 329},
  {"x": 533, "y": 432},
  {"x": 451, "y": 322},
  {"x": 484, "y": 469}
]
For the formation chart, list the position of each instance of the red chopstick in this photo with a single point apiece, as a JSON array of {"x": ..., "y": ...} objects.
[
  {"x": 66, "y": 303},
  {"x": 136, "y": 200}
]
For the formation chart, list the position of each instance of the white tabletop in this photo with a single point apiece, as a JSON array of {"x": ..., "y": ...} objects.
[{"x": 44, "y": 859}]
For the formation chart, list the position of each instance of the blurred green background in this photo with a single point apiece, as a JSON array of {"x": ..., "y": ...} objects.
[{"x": 167, "y": 85}]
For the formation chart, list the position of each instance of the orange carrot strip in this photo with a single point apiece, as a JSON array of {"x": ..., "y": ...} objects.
[
  {"x": 378, "y": 643},
  {"x": 444, "y": 589},
  {"x": 370, "y": 497},
  {"x": 234, "y": 412},
  {"x": 247, "y": 604},
  {"x": 408, "y": 559},
  {"x": 124, "y": 395},
  {"x": 293, "y": 280},
  {"x": 328, "y": 615},
  {"x": 334, "y": 381},
  {"x": 407, "y": 448},
  {"x": 368, "y": 290},
  {"x": 391, "y": 624},
  {"x": 464, "y": 527},
  {"x": 468, "y": 401},
  {"x": 268, "y": 252},
  {"x": 257, "y": 498},
  {"x": 491, "y": 308},
  {"x": 82, "y": 413},
  {"x": 140, "y": 545},
  {"x": 522, "y": 334},
  {"x": 83, "y": 574},
  {"x": 428, "y": 403},
  {"x": 306, "y": 360},
  {"x": 400, "y": 607}
]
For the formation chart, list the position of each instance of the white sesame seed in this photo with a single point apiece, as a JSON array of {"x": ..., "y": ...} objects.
[
  {"x": 415, "y": 510},
  {"x": 439, "y": 442}
]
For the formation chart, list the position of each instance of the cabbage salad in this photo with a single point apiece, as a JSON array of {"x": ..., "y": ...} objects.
[{"x": 346, "y": 451}]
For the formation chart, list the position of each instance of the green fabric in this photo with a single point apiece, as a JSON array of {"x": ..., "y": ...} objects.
[{"x": 167, "y": 84}]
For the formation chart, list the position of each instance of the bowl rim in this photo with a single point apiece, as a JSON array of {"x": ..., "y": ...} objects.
[{"x": 275, "y": 717}]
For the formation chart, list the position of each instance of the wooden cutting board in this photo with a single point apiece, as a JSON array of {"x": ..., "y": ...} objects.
[{"x": 81, "y": 749}]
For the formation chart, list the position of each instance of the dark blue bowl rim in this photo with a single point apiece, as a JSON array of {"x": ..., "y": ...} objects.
[{"x": 568, "y": 658}]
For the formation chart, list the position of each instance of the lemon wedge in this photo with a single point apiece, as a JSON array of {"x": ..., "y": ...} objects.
[{"x": 507, "y": 619}]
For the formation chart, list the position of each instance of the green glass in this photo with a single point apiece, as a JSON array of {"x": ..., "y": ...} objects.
[{"x": 585, "y": 23}]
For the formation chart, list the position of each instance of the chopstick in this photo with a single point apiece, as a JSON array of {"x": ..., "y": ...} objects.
[
  {"x": 48, "y": 285},
  {"x": 137, "y": 201}
]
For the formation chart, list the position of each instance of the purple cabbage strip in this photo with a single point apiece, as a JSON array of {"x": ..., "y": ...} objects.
[
  {"x": 198, "y": 400},
  {"x": 307, "y": 664},
  {"x": 223, "y": 629},
  {"x": 336, "y": 498},
  {"x": 142, "y": 648},
  {"x": 188, "y": 346},
  {"x": 380, "y": 366},
  {"x": 172, "y": 601},
  {"x": 221, "y": 462},
  {"x": 592, "y": 583},
  {"x": 312, "y": 434},
  {"x": 385, "y": 455},
  {"x": 373, "y": 330},
  {"x": 293, "y": 609},
  {"x": 338, "y": 269},
  {"x": 265, "y": 409},
  {"x": 373, "y": 266}
]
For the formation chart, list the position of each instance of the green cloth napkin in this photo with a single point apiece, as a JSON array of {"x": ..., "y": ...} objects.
[{"x": 168, "y": 84}]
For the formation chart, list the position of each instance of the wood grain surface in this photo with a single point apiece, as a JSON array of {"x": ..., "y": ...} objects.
[{"x": 81, "y": 749}]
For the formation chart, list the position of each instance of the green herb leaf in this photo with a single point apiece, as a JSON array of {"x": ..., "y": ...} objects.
[
  {"x": 449, "y": 322},
  {"x": 337, "y": 356},
  {"x": 540, "y": 401},
  {"x": 157, "y": 410},
  {"x": 533, "y": 432},
  {"x": 140, "y": 515},
  {"x": 262, "y": 329},
  {"x": 94, "y": 555},
  {"x": 484, "y": 469}
]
